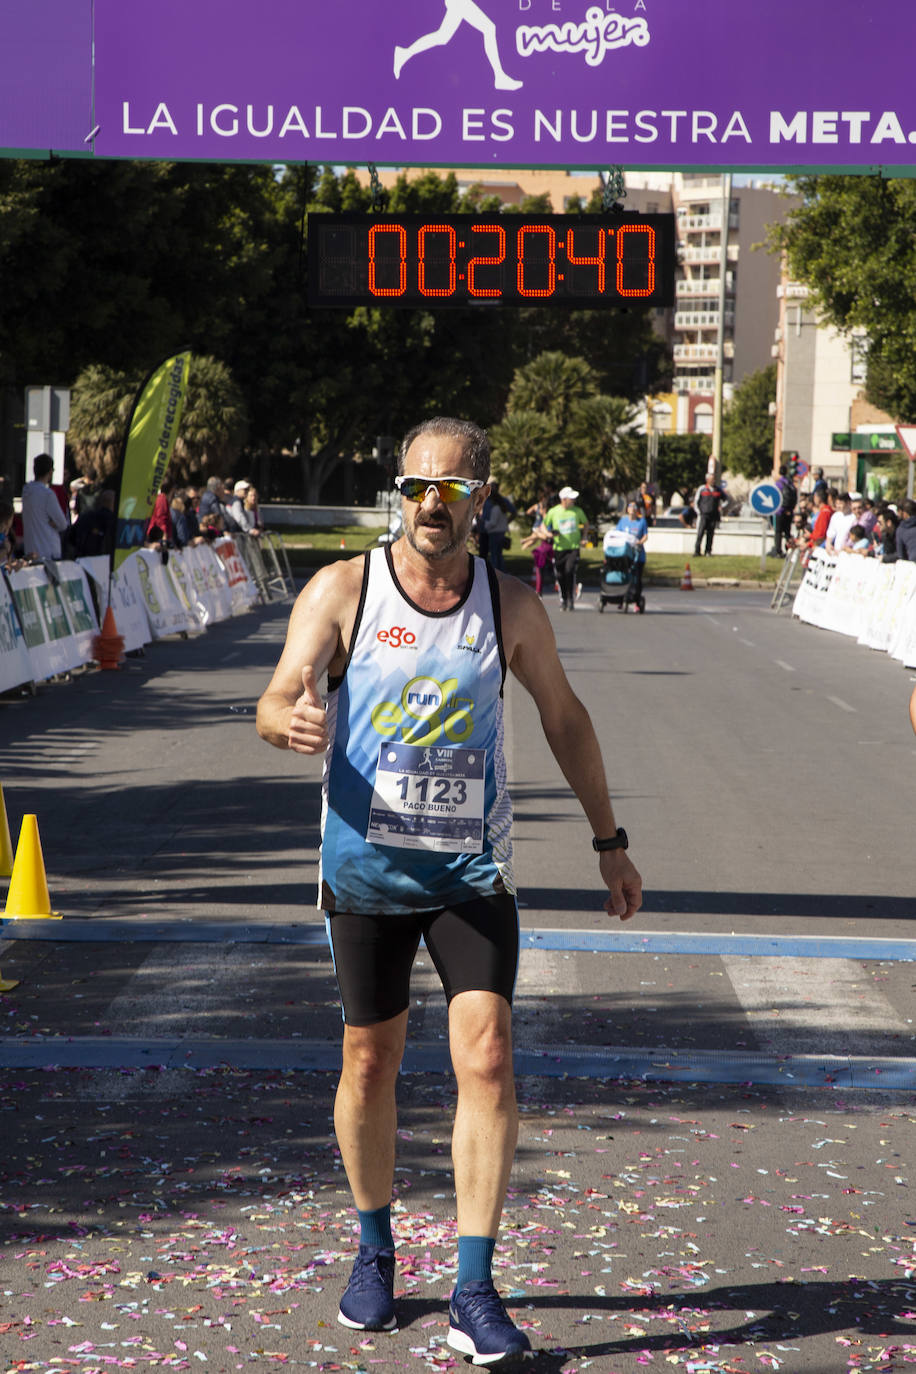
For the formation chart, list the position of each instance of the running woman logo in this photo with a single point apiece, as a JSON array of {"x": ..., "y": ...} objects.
[
  {"x": 458, "y": 12},
  {"x": 596, "y": 36}
]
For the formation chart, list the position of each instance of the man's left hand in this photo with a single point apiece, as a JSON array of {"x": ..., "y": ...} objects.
[{"x": 623, "y": 881}]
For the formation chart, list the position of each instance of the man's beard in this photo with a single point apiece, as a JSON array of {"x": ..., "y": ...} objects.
[{"x": 457, "y": 541}]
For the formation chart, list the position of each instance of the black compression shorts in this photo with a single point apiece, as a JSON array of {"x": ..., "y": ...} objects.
[{"x": 474, "y": 946}]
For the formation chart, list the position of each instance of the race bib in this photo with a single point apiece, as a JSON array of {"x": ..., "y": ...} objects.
[{"x": 428, "y": 798}]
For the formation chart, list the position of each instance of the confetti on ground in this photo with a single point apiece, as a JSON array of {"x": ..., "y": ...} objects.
[{"x": 160, "y": 1220}]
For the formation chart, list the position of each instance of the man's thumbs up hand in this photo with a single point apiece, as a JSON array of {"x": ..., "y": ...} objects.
[{"x": 308, "y": 730}]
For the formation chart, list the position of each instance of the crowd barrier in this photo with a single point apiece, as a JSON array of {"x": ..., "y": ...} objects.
[
  {"x": 50, "y": 612},
  {"x": 873, "y": 602}
]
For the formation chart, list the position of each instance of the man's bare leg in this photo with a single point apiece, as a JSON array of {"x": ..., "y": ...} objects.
[
  {"x": 365, "y": 1113},
  {"x": 486, "y": 1121}
]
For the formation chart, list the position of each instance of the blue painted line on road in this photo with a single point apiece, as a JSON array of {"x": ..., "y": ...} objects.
[
  {"x": 110, "y": 930},
  {"x": 847, "y": 1072}
]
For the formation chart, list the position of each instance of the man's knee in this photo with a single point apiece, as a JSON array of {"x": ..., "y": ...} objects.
[{"x": 371, "y": 1060}]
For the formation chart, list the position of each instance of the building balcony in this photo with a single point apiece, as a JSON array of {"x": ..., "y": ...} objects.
[
  {"x": 701, "y": 319},
  {"x": 702, "y": 352},
  {"x": 707, "y": 223},
  {"x": 690, "y": 286},
  {"x": 702, "y": 383}
]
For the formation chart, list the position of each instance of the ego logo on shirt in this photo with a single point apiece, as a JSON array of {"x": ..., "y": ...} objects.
[
  {"x": 398, "y": 637},
  {"x": 427, "y": 709}
]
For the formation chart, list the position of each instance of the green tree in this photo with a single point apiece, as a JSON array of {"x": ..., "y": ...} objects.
[
  {"x": 747, "y": 425},
  {"x": 852, "y": 240},
  {"x": 212, "y": 422},
  {"x": 681, "y": 465},
  {"x": 559, "y": 428}
]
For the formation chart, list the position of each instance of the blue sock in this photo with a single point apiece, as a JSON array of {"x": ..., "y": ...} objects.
[
  {"x": 375, "y": 1227},
  {"x": 475, "y": 1259}
]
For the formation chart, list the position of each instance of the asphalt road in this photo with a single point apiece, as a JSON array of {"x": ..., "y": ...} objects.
[{"x": 716, "y": 1098}]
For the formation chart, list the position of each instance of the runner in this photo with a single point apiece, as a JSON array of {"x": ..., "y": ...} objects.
[{"x": 416, "y": 639}]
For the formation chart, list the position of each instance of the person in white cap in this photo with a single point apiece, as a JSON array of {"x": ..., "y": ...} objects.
[{"x": 567, "y": 524}]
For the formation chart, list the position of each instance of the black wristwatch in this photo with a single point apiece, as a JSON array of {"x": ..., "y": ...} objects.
[{"x": 618, "y": 841}]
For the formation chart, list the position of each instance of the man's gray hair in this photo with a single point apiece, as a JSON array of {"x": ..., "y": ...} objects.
[
  {"x": 214, "y": 484},
  {"x": 475, "y": 440}
]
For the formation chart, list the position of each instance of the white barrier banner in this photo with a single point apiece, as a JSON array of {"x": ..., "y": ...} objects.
[
  {"x": 902, "y": 643},
  {"x": 52, "y": 645},
  {"x": 812, "y": 594},
  {"x": 847, "y": 605},
  {"x": 886, "y": 619},
  {"x": 211, "y": 584},
  {"x": 126, "y": 598},
  {"x": 180, "y": 573},
  {"x": 77, "y": 598},
  {"x": 242, "y": 586},
  {"x": 167, "y": 612},
  {"x": 15, "y": 665}
]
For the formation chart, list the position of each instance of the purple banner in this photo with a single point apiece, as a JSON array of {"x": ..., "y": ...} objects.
[
  {"x": 508, "y": 82},
  {"x": 571, "y": 83},
  {"x": 46, "y": 75}
]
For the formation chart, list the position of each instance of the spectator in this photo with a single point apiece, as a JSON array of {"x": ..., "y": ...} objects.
[
  {"x": 708, "y": 505},
  {"x": 495, "y": 516},
  {"x": 93, "y": 532},
  {"x": 184, "y": 520},
  {"x": 645, "y": 500},
  {"x": 823, "y": 512},
  {"x": 820, "y": 482},
  {"x": 886, "y": 531},
  {"x": 906, "y": 533},
  {"x": 6, "y": 536},
  {"x": 43, "y": 521},
  {"x": 211, "y": 500},
  {"x": 244, "y": 508},
  {"x": 857, "y": 541},
  {"x": 782, "y": 519},
  {"x": 254, "y": 523},
  {"x": 841, "y": 522},
  {"x": 868, "y": 517},
  {"x": 161, "y": 517}
]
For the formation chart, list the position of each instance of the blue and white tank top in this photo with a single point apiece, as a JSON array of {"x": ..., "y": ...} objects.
[{"x": 415, "y": 807}]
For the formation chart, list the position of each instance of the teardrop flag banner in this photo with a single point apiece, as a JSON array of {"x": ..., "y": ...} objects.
[{"x": 151, "y": 436}]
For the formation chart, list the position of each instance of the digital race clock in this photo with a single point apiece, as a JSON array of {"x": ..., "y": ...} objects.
[{"x": 586, "y": 261}]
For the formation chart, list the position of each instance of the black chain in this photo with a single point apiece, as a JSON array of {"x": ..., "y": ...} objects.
[
  {"x": 375, "y": 189},
  {"x": 615, "y": 191}
]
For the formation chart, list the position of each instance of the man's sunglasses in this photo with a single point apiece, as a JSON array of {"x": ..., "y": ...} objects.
[{"x": 448, "y": 489}]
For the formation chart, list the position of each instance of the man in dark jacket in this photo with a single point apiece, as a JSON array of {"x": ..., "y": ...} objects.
[
  {"x": 906, "y": 533},
  {"x": 708, "y": 503}
]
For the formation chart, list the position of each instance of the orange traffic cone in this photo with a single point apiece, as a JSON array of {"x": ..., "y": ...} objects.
[
  {"x": 28, "y": 898},
  {"x": 6, "y": 844},
  {"x": 108, "y": 647},
  {"x": 686, "y": 580},
  {"x": 343, "y": 543}
]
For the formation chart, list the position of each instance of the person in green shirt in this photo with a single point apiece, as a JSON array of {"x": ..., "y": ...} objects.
[{"x": 567, "y": 524}]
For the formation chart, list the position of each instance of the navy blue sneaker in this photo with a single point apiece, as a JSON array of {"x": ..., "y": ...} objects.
[
  {"x": 368, "y": 1304},
  {"x": 480, "y": 1327}
]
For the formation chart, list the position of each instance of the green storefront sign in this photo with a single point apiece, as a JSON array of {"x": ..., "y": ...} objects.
[{"x": 864, "y": 443}]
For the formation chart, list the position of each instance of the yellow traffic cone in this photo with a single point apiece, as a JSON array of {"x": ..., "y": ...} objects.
[
  {"x": 28, "y": 898},
  {"x": 6, "y": 844}
]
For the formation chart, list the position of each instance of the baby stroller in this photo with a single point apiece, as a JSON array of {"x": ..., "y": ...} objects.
[{"x": 621, "y": 576}]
